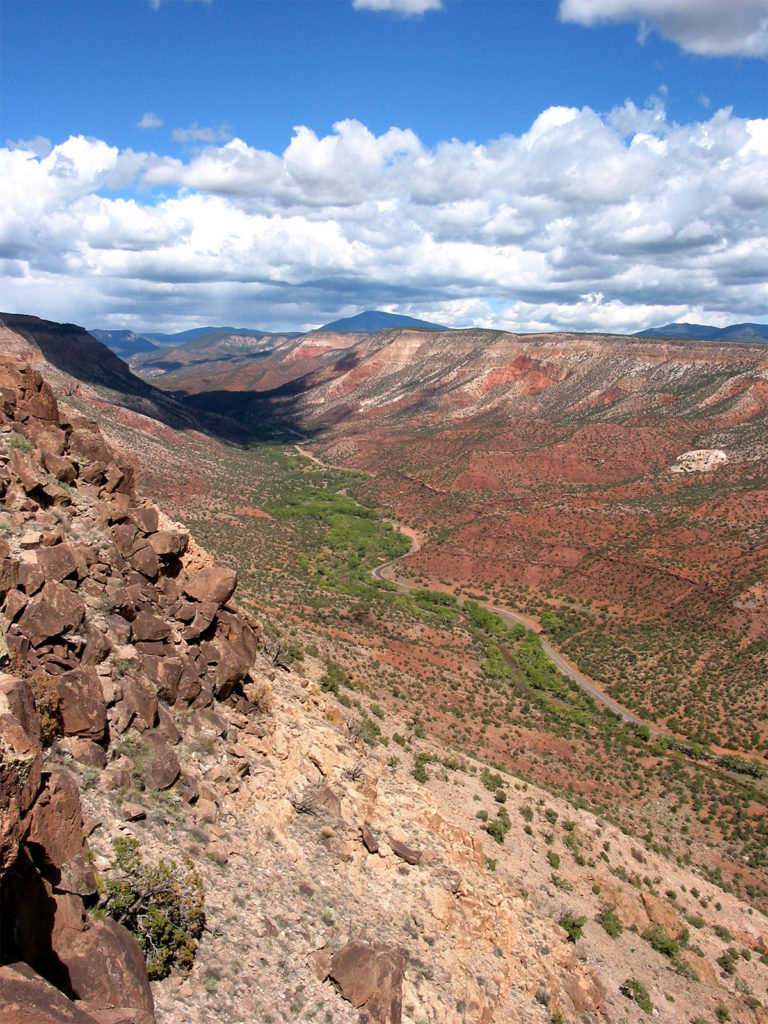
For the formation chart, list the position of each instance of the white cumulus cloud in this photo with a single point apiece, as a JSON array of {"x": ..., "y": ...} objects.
[
  {"x": 714, "y": 28},
  {"x": 588, "y": 221}
]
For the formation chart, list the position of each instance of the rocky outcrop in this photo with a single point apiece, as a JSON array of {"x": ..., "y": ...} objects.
[
  {"x": 106, "y": 633},
  {"x": 53, "y": 954}
]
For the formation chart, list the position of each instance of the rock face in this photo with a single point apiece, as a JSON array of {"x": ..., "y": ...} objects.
[
  {"x": 371, "y": 977},
  {"x": 95, "y": 615}
]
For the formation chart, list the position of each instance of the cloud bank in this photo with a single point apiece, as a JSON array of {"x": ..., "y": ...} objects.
[
  {"x": 614, "y": 222},
  {"x": 713, "y": 28}
]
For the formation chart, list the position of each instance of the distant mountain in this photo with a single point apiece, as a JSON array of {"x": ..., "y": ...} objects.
[
  {"x": 209, "y": 348},
  {"x": 374, "y": 320},
  {"x": 196, "y": 332},
  {"x": 124, "y": 343},
  {"x": 701, "y": 332}
]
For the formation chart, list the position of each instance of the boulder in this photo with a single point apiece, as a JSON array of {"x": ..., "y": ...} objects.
[
  {"x": 86, "y": 443},
  {"x": 81, "y": 750},
  {"x": 327, "y": 798},
  {"x": 59, "y": 467},
  {"x": 40, "y": 621},
  {"x": 26, "y": 998},
  {"x": 41, "y": 404},
  {"x": 60, "y": 561},
  {"x": 169, "y": 543},
  {"x": 239, "y": 635},
  {"x": 405, "y": 852},
  {"x": 9, "y": 575},
  {"x": 371, "y": 976},
  {"x": 166, "y": 723},
  {"x": 31, "y": 476},
  {"x": 68, "y": 919},
  {"x": 202, "y": 618},
  {"x": 145, "y": 561},
  {"x": 20, "y": 778},
  {"x": 661, "y": 914},
  {"x": 77, "y": 876},
  {"x": 369, "y": 838},
  {"x": 97, "y": 646},
  {"x": 81, "y": 704},
  {"x": 30, "y": 578},
  {"x": 66, "y": 603},
  {"x": 50, "y": 439},
  {"x": 147, "y": 626},
  {"x": 165, "y": 673},
  {"x": 215, "y": 584},
  {"x": 164, "y": 769},
  {"x": 125, "y": 538},
  {"x": 106, "y": 968},
  {"x": 585, "y": 991},
  {"x": 145, "y": 518},
  {"x": 56, "y": 822},
  {"x": 190, "y": 684},
  {"x": 139, "y": 698}
]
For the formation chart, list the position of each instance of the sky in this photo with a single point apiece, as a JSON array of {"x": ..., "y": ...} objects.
[{"x": 526, "y": 165}]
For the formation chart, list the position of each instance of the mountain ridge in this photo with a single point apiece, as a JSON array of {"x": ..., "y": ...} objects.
[{"x": 746, "y": 332}]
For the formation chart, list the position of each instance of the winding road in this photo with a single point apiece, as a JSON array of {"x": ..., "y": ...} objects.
[{"x": 510, "y": 617}]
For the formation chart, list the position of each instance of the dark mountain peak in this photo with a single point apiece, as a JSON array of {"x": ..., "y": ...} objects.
[
  {"x": 703, "y": 332},
  {"x": 124, "y": 343},
  {"x": 374, "y": 320}
]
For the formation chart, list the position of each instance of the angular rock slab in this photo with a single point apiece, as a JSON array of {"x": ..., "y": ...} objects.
[
  {"x": 25, "y": 998},
  {"x": 106, "y": 968},
  {"x": 216, "y": 584},
  {"x": 371, "y": 977}
]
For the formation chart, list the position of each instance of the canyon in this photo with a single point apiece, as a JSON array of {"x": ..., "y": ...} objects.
[{"x": 396, "y": 809}]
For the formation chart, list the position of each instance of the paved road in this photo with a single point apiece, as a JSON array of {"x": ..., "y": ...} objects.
[{"x": 511, "y": 617}]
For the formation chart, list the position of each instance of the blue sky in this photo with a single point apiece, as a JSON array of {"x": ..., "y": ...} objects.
[{"x": 277, "y": 163}]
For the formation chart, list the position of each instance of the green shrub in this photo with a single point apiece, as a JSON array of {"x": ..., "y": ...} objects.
[
  {"x": 608, "y": 919},
  {"x": 19, "y": 443},
  {"x": 496, "y": 831},
  {"x": 369, "y": 731},
  {"x": 491, "y": 780},
  {"x": 163, "y": 905},
  {"x": 333, "y": 678},
  {"x": 638, "y": 993},
  {"x": 554, "y": 859},
  {"x": 420, "y": 763},
  {"x": 727, "y": 962},
  {"x": 661, "y": 942},
  {"x": 572, "y": 925}
]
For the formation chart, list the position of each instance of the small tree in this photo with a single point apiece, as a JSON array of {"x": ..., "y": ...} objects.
[{"x": 162, "y": 905}]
